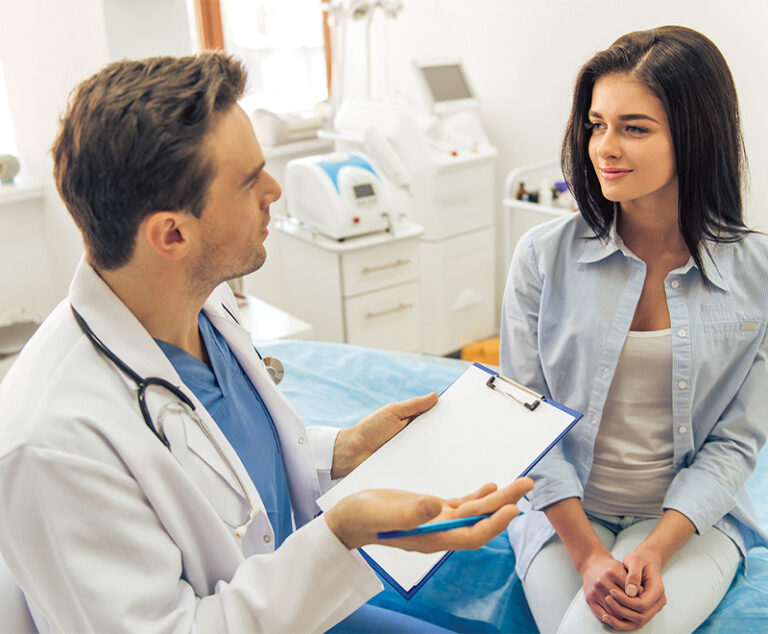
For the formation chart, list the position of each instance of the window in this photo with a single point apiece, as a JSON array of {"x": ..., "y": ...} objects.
[
  {"x": 281, "y": 42},
  {"x": 7, "y": 140}
]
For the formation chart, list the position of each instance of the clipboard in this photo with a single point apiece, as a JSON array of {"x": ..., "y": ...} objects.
[{"x": 484, "y": 428}]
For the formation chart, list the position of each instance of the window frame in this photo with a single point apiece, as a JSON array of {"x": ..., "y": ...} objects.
[{"x": 211, "y": 32}]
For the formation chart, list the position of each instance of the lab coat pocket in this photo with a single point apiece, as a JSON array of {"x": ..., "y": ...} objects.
[{"x": 208, "y": 462}]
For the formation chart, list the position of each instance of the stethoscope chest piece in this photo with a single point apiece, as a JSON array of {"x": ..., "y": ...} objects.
[{"x": 275, "y": 369}]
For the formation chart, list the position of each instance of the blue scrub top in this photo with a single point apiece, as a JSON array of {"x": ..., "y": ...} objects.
[{"x": 231, "y": 399}]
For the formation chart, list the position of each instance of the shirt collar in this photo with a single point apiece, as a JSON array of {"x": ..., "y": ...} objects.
[{"x": 597, "y": 249}]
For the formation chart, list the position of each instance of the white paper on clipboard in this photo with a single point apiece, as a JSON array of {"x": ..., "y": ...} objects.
[{"x": 472, "y": 436}]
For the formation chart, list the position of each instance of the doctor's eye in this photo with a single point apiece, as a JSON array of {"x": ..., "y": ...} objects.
[
  {"x": 594, "y": 125},
  {"x": 634, "y": 129}
]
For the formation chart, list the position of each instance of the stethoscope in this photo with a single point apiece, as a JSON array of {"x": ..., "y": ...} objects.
[{"x": 274, "y": 369}]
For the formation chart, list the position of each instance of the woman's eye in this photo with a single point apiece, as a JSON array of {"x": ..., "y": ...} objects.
[
  {"x": 633, "y": 129},
  {"x": 594, "y": 125}
]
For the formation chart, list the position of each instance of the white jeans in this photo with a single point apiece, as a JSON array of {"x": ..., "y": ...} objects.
[{"x": 695, "y": 579}]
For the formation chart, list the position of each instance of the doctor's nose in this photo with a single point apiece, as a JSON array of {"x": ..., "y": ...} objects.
[{"x": 273, "y": 191}]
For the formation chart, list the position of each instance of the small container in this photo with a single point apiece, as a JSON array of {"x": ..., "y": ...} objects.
[{"x": 546, "y": 196}]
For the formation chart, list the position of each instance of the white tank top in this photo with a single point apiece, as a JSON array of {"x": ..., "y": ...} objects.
[{"x": 633, "y": 460}]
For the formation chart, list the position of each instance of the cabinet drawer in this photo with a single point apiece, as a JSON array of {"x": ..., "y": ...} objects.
[
  {"x": 389, "y": 319},
  {"x": 379, "y": 267}
]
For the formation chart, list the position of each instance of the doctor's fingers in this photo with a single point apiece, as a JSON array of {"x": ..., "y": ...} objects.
[
  {"x": 464, "y": 538},
  {"x": 510, "y": 494},
  {"x": 484, "y": 490},
  {"x": 408, "y": 410}
]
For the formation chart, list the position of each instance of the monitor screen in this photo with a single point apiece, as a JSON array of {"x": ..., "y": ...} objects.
[
  {"x": 446, "y": 82},
  {"x": 362, "y": 191}
]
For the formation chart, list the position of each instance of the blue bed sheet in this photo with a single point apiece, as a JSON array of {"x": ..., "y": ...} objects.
[{"x": 476, "y": 591}]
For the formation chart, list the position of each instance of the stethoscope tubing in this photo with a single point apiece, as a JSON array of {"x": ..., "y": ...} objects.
[{"x": 143, "y": 383}]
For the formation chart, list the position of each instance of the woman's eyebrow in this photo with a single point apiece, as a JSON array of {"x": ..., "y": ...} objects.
[
  {"x": 633, "y": 117},
  {"x": 625, "y": 117}
]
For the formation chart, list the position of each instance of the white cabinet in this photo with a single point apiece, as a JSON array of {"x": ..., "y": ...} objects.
[
  {"x": 389, "y": 318},
  {"x": 457, "y": 254},
  {"x": 457, "y": 283},
  {"x": 362, "y": 291}
]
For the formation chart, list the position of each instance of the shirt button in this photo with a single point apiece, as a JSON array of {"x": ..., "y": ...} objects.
[
  {"x": 681, "y": 332},
  {"x": 605, "y": 374},
  {"x": 675, "y": 284},
  {"x": 726, "y": 525},
  {"x": 682, "y": 385},
  {"x": 301, "y": 440},
  {"x": 267, "y": 539},
  {"x": 682, "y": 429}
]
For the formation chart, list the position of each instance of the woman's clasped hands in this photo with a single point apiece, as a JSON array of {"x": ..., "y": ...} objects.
[{"x": 624, "y": 595}]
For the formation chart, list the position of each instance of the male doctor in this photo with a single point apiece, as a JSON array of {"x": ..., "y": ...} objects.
[{"x": 152, "y": 477}]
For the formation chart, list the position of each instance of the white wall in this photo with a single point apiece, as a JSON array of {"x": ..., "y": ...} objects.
[
  {"x": 522, "y": 58},
  {"x": 47, "y": 47},
  {"x": 143, "y": 28}
]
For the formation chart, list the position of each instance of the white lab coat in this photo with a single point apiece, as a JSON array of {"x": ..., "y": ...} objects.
[{"x": 106, "y": 530}]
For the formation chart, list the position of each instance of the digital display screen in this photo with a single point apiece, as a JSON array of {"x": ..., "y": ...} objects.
[
  {"x": 446, "y": 83},
  {"x": 361, "y": 191}
]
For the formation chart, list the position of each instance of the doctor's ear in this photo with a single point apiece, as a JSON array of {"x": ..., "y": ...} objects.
[{"x": 167, "y": 233}]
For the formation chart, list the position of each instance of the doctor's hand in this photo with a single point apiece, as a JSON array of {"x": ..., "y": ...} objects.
[
  {"x": 354, "y": 444},
  {"x": 357, "y": 518}
]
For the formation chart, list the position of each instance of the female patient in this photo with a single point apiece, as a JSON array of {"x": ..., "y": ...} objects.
[{"x": 648, "y": 313}]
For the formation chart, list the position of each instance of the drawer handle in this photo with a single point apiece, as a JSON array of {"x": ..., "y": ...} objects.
[
  {"x": 374, "y": 269},
  {"x": 389, "y": 311}
]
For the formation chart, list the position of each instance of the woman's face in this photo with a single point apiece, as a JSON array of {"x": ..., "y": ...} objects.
[{"x": 631, "y": 145}]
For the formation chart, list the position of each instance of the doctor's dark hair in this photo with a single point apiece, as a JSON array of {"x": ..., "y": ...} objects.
[
  {"x": 131, "y": 143},
  {"x": 688, "y": 74}
]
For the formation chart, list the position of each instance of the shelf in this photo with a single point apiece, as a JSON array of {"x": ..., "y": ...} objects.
[
  {"x": 16, "y": 192},
  {"x": 306, "y": 146},
  {"x": 265, "y": 322},
  {"x": 403, "y": 230}
]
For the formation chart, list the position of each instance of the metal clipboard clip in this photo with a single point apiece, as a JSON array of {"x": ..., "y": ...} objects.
[{"x": 532, "y": 405}]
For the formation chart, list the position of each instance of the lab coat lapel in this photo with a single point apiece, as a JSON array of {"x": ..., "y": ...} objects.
[
  {"x": 302, "y": 481},
  {"x": 125, "y": 336}
]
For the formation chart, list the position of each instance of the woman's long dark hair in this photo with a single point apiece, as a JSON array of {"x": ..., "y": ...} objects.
[{"x": 690, "y": 77}]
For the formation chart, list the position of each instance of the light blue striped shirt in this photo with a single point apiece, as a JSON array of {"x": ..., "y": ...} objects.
[{"x": 567, "y": 309}]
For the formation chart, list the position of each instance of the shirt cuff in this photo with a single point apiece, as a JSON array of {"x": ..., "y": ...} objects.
[
  {"x": 554, "y": 479},
  {"x": 700, "y": 497},
  {"x": 546, "y": 493},
  {"x": 321, "y": 441}
]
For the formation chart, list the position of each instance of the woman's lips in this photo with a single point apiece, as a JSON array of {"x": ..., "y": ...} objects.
[{"x": 613, "y": 173}]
